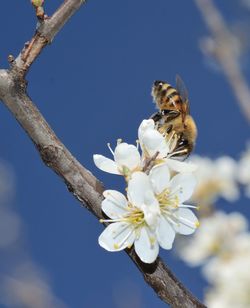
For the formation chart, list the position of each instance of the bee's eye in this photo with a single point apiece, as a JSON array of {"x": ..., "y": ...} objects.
[{"x": 158, "y": 83}]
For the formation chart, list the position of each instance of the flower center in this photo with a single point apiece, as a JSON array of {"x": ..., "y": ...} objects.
[
  {"x": 167, "y": 199},
  {"x": 135, "y": 216}
]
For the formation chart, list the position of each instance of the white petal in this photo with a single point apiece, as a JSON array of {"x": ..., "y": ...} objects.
[
  {"x": 105, "y": 164},
  {"x": 187, "y": 221},
  {"x": 152, "y": 141},
  {"x": 127, "y": 155},
  {"x": 146, "y": 246},
  {"x": 165, "y": 233},
  {"x": 159, "y": 177},
  {"x": 145, "y": 124},
  {"x": 117, "y": 236},
  {"x": 115, "y": 204},
  {"x": 180, "y": 166},
  {"x": 151, "y": 209},
  {"x": 138, "y": 186},
  {"x": 183, "y": 186}
]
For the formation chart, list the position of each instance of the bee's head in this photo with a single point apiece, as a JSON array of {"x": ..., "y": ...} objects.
[
  {"x": 158, "y": 84},
  {"x": 156, "y": 88}
]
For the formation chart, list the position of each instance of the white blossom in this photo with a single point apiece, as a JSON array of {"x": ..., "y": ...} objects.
[
  {"x": 215, "y": 237},
  {"x": 126, "y": 160},
  {"x": 153, "y": 143},
  {"x": 230, "y": 277},
  {"x": 215, "y": 178},
  {"x": 151, "y": 215},
  {"x": 244, "y": 171}
]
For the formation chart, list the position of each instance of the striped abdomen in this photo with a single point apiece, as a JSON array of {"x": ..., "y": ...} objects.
[{"x": 166, "y": 96}]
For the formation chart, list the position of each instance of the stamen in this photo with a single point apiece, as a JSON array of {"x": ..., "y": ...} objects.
[
  {"x": 111, "y": 220},
  {"x": 177, "y": 152},
  {"x": 185, "y": 221},
  {"x": 137, "y": 144},
  {"x": 108, "y": 144},
  {"x": 171, "y": 137},
  {"x": 189, "y": 206}
]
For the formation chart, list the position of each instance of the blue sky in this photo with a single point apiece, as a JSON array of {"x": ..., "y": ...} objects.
[{"x": 93, "y": 86}]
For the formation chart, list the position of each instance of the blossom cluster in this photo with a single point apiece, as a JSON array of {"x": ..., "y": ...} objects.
[
  {"x": 220, "y": 177},
  {"x": 153, "y": 209},
  {"x": 222, "y": 247}
]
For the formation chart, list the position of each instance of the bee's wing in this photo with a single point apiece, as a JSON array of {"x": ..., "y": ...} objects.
[{"x": 181, "y": 88}]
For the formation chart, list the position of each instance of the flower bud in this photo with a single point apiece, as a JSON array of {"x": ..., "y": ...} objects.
[{"x": 37, "y": 3}]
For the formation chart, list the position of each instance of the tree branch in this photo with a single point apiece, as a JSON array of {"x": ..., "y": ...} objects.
[
  {"x": 225, "y": 54},
  {"x": 45, "y": 33},
  {"x": 80, "y": 182}
]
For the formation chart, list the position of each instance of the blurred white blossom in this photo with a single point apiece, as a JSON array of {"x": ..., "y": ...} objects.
[
  {"x": 222, "y": 247},
  {"x": 244, "y": 171},
  {"x": 214, "y": 237},
  {"x": 229, "y": 276},
  {"x": 22, "y": 282},
  {"x": 27, "y": 286},
  {"x": 215, "y": 178}
]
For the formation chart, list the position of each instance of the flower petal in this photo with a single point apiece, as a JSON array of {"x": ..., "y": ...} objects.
[
  {"x": 187, "y": 221},
  {"x": 127, "y": 155},
  {"x": 159, "y": 177},
  {"x": 145, "y": 124},
  {"x": 146, "y": 246},
  {"x": 152, "y": 141},
  {"x": 151, "y": 209},
  {"x": 117, "y": 236},
  {"x": 138, "y": 186},
  {"x": 180, "y": 166},
  {"x": 183, "y": 186},
  {"x": 105, "y": 164},
  {"x": 165, "y": 233},
  {"x": 115, "y": 204}
]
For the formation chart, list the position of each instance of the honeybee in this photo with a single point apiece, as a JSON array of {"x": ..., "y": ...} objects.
[{"x": 173, "y": 117}]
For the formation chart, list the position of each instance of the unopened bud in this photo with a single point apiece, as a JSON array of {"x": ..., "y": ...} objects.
[{"x": 37, "y": 3}]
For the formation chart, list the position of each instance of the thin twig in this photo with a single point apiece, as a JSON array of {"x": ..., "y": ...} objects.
[
  {"x": 80, "y": 182},
  {"x": 225, "y": 54},
  {"x": 45, "y": 33},
  {"x": 149, "y": 163}
]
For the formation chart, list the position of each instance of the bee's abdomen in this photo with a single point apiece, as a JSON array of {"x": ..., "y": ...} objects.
[{"x": 169, "y": 94}]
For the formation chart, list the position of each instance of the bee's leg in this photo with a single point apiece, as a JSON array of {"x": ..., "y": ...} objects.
[
  {"x": 156, "y": 116},
  {"x": 183, "y": 148},
  {"x": 170, "y": 114},
  {"x": 169, "y": 129}
]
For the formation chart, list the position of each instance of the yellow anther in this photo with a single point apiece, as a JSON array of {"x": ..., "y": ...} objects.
[
  {"x": 197, "y": 224},
  {"x": 116, "y": 246},
  {"x": 152, "y": 240}
]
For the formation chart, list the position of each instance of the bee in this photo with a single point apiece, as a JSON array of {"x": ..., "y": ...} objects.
[{"x": 173, "y": 117}]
